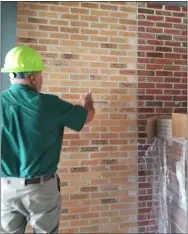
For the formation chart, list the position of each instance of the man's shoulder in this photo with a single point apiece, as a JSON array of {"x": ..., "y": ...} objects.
[
  {"x": 48, "y": 97},
  {"x": 5, "y": 95}
]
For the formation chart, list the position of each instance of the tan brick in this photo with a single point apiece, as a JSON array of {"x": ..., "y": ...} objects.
[
  {"x": 79, "y": 90},
  {"x": 127, "y": 34},
  {"x": 34, "y": 6},
  {"x": 89, "y": 5},
  {"x": 59, "y": 35},
  {"x": 127, "y": 21},
  {"x": 80, "y": 11},
  {"x": 99, "y": 13},
  {"x": 22, "y": 33},
  {"x": 109, "y": 71},
  {"x": 119, "y": 14},
  {"x": 47, "y": 14},
  {"x": 89, "y": 18},
  {"x": 109, "y": 20},
  {"x": 48, "y": 41},
  {"x": 22, "y": 5},
  {"x": 108, "y": 33},
  {"x": 27, "y": 40},
  {"x": 79, "y": 37},
  {"x": 119, "y": 40},
  {"x": 108, "y": 7},
  {"x": 22, "y": 19},
  {"x": 98, "y": 38},
  {"x": 69, "y": 30},
  {"x": 79, "y": 24},
  {"x": 48, "y": 28},
  {"x": 80, "y": 50},
  {"x": 90, "y": 44},
  {"x": 90, "y": 57},
  {"x": 59, "y": 9},
  {"x": 70, "y": 16},
  {"x": 58, "y": 89},
  {"x": 99, "y": 51},
  {"x": 118, "y": 27},
  {"x": 98, "y": 25},
  {"x": 37, "y": 21},
  {"x": 59, "y": 76},
  {"x": 127, "y": 9},
  {"x": 59, "y": 22},
  {"x": 26, "y": 12},
  {"x": 38, "y": 47},
  {"x": 72, "y": 4},
  {"x": 89, "y": 31},
  {"x": 104, "y": 65},
  {"x": 109, "y": 59},
  {"x": 27, "y": 26},
  {"x": 69, "y": 43},
  {"x": 108, "y": 84}
]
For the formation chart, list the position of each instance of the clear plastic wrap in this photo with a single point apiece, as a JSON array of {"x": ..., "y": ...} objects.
[{"x": 165, "y": 164}]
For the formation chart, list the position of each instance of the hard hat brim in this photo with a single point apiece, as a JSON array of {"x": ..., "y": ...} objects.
[{"x": 7, "y": 70}]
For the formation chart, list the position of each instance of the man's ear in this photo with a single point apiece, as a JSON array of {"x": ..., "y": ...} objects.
[{"x": 32, "y": 77}]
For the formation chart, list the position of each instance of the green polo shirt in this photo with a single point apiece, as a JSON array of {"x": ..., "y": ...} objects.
[{"x": 32, "y": 131}]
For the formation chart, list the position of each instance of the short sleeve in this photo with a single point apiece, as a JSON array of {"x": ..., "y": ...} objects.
[{"x": 71, "y": 116}]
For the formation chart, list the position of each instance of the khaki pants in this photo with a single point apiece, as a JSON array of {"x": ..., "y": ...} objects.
[{"x": 36, "y": 204}]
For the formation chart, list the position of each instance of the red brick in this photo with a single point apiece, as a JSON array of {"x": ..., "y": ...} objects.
[
  {"x": 154, "y": 30},
  {"x": 173, "y": 8},
  {"x": 164, "y": 86},
  {"x": 155, "y": 18},
  {"x": 180, "y": 86},
  {"x": 164, "y": 25},
  {"x": 154, "y": 67},
  {"x": 165, "y": 13},
  {"x": 145, "y": 11},
  {"x": 179, "y": 14},
  {"x": 173, "y": 20},
  {"x": 155, "y": 6},
  {"x": 154, "y": 55},
  {"x": 154, "y": 91},
  {"x": 155, "y": 42},
  {"x": 146, "y": 23},
  {"x": 146, "y": 85},
  {"x": 164, "y": 98}
]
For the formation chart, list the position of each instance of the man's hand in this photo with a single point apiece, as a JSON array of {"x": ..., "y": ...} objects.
[{"x": 87, "y": 103}]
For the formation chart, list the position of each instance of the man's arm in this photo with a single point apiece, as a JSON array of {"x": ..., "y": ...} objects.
[{"x": 75, "y": 116}]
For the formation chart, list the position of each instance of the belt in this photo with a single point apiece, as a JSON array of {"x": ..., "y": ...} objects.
[
  {"x": 32, "y": 180},
  {"x": 38, "y": 180}
]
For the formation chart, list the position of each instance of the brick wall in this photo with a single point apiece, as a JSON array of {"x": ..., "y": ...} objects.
[
  {"x": 162, "y": 76},
  {"x": 92, "y": 45}
]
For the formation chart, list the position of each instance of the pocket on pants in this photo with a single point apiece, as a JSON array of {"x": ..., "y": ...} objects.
[{"x": 58, "y": 182}]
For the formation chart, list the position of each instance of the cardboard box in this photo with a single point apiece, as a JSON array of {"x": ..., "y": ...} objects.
[
  {"x": 179, "y": 125},
  {"x": 151, "y": 127}
]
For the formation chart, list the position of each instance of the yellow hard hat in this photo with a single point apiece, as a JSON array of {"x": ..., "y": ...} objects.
[{"x": 23, "y": 59}]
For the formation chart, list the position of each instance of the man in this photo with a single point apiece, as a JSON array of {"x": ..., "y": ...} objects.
[{"x": 32, "y": 131}]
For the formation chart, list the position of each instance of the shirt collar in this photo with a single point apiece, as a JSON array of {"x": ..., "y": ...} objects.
[{"x": 21, "y": 86}]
